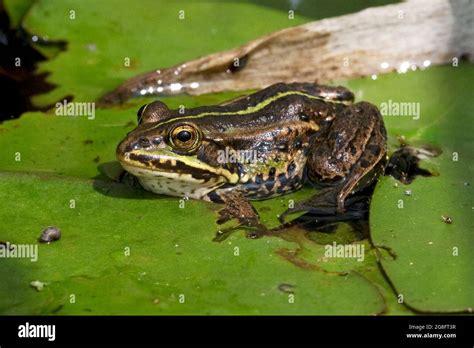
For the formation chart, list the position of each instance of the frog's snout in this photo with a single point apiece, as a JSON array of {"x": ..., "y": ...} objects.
[
  {"x": 138, "y": 144},
  {"x": 123, "y": 150}
]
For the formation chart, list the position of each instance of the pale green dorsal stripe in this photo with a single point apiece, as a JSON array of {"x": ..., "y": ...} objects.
[{"x": 250, "y": 109}]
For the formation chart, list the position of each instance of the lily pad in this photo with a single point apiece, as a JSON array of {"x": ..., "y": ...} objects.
[
  {"x": 123, "y": 252},
  {"x": 49, "y": 177},
  {"x": 103, "y": 50},
  {"x": 433, "y": 267},
  {"x": 126, "y": 251}
]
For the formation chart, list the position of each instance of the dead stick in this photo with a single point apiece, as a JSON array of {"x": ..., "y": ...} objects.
[{"x": 377, "y": 40}]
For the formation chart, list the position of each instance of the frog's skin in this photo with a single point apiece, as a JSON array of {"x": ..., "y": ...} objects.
[{"x": 300, "y": 133}]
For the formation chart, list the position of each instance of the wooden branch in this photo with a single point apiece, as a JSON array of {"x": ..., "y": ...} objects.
[{"x": 374, "y": 41}]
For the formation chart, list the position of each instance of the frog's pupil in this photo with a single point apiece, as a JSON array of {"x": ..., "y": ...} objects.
[{"x": 184, "y": 136}]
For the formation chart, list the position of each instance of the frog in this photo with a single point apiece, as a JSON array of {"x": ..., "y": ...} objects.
[{"x": 259, "y": 146}]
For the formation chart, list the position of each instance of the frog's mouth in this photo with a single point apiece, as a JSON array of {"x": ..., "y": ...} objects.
[{"x": 182, "y": 168}]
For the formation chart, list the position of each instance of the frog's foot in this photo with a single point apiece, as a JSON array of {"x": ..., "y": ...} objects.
[
  {"x": 239, "y": 208},
  {"x": 323, "y": 207},
  {"x": 323, "y": 204}
]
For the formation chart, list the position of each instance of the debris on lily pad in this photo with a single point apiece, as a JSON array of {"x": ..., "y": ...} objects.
[
  {"x": 447, "y": 219},
  {"x": 38, "y": 285},
  {"x": 50, "y": 234}
]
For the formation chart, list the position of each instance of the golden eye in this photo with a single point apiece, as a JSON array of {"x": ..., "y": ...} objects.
[{"x": 185, "y": 138}]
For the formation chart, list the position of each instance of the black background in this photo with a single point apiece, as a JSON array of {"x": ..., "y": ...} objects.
[{"x": 289, "y": 330}]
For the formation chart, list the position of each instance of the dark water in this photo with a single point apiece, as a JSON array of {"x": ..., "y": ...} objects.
[{"x": 18, "y": 60}]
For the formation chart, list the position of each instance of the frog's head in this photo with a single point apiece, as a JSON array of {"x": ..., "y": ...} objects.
[{"x": 171, "y": 151}]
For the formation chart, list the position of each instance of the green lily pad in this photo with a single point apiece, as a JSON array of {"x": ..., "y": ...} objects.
[
  {"x": 122, "y": 251},
  {"x": 40, "y": 198},
  {"x": 433, "y": 268},
  {"x": 110, "y": 41},
  {"x": 126, "y": 251},
  {"x": 137, "y": 38}
]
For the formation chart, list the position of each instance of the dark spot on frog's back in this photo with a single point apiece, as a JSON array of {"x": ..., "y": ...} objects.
[
  {"x": 291, "y": 168},
  {"x": 352, "y": 149},
  {"x": 252, "y": 187},
  {"x": 374, "y": 149},
  {"x": 297, "y": 144},
  {"x": 259, "y": 179},
  {"x": 269, "y": 184},
  {"x": 282, "y": 145},
  {"x": 304, "y": 117},
  {"x": 340, "y": 140},
  {"x": 364, "y": 163},
  {"x": 282, "y": 177}
]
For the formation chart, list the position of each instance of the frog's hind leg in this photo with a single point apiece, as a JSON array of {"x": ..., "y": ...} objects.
[
  {"x": 321, "y": 204},
  {"x": 346, "y": 160},
  {"x": 367, "y": 168}
]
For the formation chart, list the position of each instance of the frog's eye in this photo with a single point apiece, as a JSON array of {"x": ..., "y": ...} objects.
[
  {"x": 140, "y": 113},
  {"x": 185, "y": 138}
]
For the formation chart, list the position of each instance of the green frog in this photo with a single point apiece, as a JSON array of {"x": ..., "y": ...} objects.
[{"x": 259, "y": 146}]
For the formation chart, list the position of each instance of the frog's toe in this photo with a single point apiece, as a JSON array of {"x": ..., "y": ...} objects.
[
  {"x": 256, "y": 230},
  {"x": 224, "y": 216},
  {"x": 321, "y": 204},
  {"x": 287, "y": 212},
  {"x": 253, "y": 230},
  {"x": 223, "y": 234}
]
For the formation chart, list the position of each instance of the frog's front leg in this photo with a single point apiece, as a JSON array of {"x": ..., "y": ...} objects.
[
  {"x": 346, "y": 158},
  {"x": 237, "y": 207}
]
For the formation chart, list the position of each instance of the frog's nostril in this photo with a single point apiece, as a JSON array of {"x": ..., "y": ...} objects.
[
  {"x": 157, "y": 140},
  {"x": 143, "y": 142}
]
